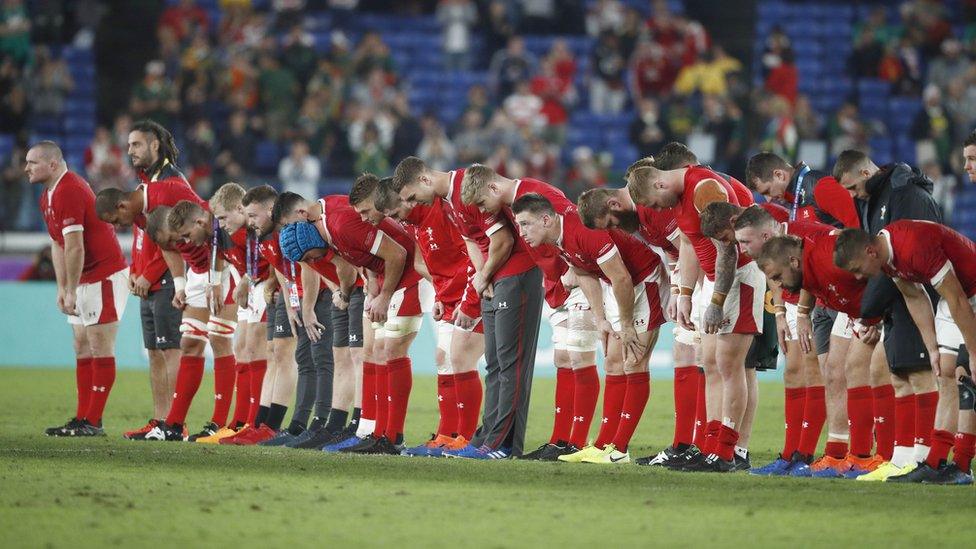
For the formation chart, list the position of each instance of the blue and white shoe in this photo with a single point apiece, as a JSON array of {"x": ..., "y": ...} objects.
[
  {"x": 778, "y": 468},
  {"x": 800, "y": 469},
  {"x": 349, "y": 442},
  {"x": 282, "y": 438},
  {"x": 483, "y": 452},
  {"x": 424, "y": 450},
  {"x": 828, "y": 472}
]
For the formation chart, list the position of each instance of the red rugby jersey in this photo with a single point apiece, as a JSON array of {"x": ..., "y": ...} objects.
[
  {"x": 659, "y": 228},
  {"x": 586, "y": 249},
  {"x": 689, "y": 220},
  {"x": 443, "y": 249},
  {"x": 808, "y": 231},
  {"x": 69, "y": 207},
  {"x": 925, "y": 252},
  {"x": 147, "y": 258},
  {"x": 271, "y": 251},
  {"x": 838, "y": 289},
  {"x": 357, "y": 241}
]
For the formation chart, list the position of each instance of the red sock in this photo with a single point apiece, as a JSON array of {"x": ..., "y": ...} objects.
[
  {"x": 225, "y": 374},
  {"x": 562, "y": 423},
  {"x": 836, "y": 450},
  {"x": 187, "y": 382},
  {"x": 613, "y": 401},
  {"x": 925, "y": 405},
  {"x": 635, "y": 400},
  {"x": 447, "y": 405},
  {"x": 586, "y": 391},
  {"x": 701, "y": 415},
  {"x": 794, "y": 407},
  {"x": 382, "y": 397},
  {"x": 400, "y": 382},
  {"x": 941, "y": 444},
  {"x": 103, "y": 377},
  {"x": 725, "y": 442},
  {"x": 905, "y": 421},
  {"x": 814, "y": 417},
  {"x": 242, "y": 401},
  {"x": 83, "y": 385},
  {"x": 884, "y": 420},
  {"x": 685, "y": 402},
  {"x": 469, "y": 395},
  {"x": 712, "y": 429},
  {"x": 963, "y": 450},
  {"x": 257, "y": 371},
  {"x": 368, "y": 410},
  {"x": 859, "y": 409}
]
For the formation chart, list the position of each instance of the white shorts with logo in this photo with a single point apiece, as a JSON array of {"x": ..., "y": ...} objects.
[
  {"x": 257, "y": 307},
  {"x": 198, "y": 283},
  {"x": 846, "y": 327},
  {"x": 650, "y": 300},
  {"x": 946, "y": 330},
  {"x": 403, "y": 317},
  {"x": 744, "y": 303},
  {"x": 578, "y": 332},
  {"x": 101, "y": 302}
]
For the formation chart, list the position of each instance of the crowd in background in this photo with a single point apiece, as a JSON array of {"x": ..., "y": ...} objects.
[{"x": 256, "y": 75}]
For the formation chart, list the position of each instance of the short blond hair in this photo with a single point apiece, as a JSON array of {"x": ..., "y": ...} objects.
[
  {"x": 592, "y": 205},
  {"x": 642, "y": 163},
  {"x": 475, "y": 182},
  {"x": 229, "y": 196},
  {"x": 639, "y": 183},
  {"x": 182, "y": 213}
]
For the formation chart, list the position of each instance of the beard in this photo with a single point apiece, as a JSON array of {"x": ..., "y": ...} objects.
[
  {"x": 796, "y": 286},
  {"x": 627, "y": 221}
]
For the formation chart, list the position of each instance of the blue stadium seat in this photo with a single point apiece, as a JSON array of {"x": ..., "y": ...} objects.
[{"x": 266, "y": 157}]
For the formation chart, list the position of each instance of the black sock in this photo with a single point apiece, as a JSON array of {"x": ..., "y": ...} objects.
[
  {"x": 296, "y": 428},
  {"x": 399, "y": 439},
  {"x": 261, "y": 417},
  {"x": 354, "y": 420},
  {"x": 317, "y": 423},
  {"x": 276, "y": 414},
  {"x": 337, "y": 420}
]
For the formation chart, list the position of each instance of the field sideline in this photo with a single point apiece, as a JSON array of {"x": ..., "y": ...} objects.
[{"x": 110, "y": 492}]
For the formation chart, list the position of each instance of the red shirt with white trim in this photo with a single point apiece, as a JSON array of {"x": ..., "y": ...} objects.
[
  {"x": 271, "y": 251},
  {"x": 473, "y": 225},
  {"x": 925, "y": 252},
  {"x": 69, "y": 207},
  {"x": 838, "y": 289},
  {"x": 147, "y": 258},
  {"x": 659, "y": 228},
  {"x": 442, "y": 247},
  {"x": 357, "y": 241},
  {"x": 586, "y": 249},
  {"x": 808, "y": 230},
  {"x": 689, "y": 220},
  {"x": 237, "y": 254}
]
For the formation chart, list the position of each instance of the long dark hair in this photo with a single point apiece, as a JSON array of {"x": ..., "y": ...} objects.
[{"x": 167, "y": 145}]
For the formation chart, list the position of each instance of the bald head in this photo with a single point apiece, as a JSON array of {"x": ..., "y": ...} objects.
[{"x": 44, "y": 163}]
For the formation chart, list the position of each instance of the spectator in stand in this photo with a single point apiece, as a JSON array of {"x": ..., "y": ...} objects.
[
  {"x": 708, "y": 74},
  {"x": 185, "y": 20},
  {"x": 408, "y": 132},
  {"x": 538, "y": 16},
  {"x": 279, "y": 90},
  {"x": 960, "y": 100},
  {"x": 457, "y": 17},
  {"x": 952, "y": 64},
  {"x": 554, "y": 93},
  {"x": 50, "y": 84},
  {"x": 652, "y": 75},
  {"x": 15, "y": 29},
  {"x": 524, "y": 108},
  {"x": 631, "y": 32},
  {"x": 564, "y": 65},
  {"x": 478, "y": 100},
  {"x": 12, "y": 187},
  {"x": 372, "y": 53},
  {"x": 471, "y": 140},
  {"x": 502, "y": 131},
  {"x": 944, "y": 188},
  {"x": 648, "y": 132},
  {"x": 236, "y": 157},
  {"x": 510, "y": 66},
  {"x": 542, "y": 160},
  {"x": 436, "y": 150},
  {"x": 584, "y": 174},
  {"x": 777, "y": 45},
  {"x": 155, "y": 96},
  {"x": 319, "y": 111},
  {"x": 605, "y": 15},
  {"x": 105, "y": 163},
  {"x": 780, "y": 134},
  {"x": 867, "y": 54},
  {"x": 358, "y": 118},
  {"x": 371, "y": 155},
  {"x": 375, "y": 91},
  {"x": 201, "y": 149},
  {"x": 717, "y": 121},
  {"x": 934, "y": 124},
  {"x": 297, "y": 54},
  {"x": 889, "y": 68},
  {"x": 846, "y": 130},
  {"x": 299, "y": 171},
  {"x": 499, "y": 29},
  {"x": 809, "y": 123},
  {"x": 607, "y": 92},
  {"x": 911, "y": 61},
  {"x": 877, "y": 23},
  {"x": 680, "y": 119},
  {"x": 505, "y": 164},
  {"x": 287, "y": 13},
  {"x": 14, "y": 110},
  {"x": 239, "y": 83},
  {"x": 42, "y": 268},
  {"x": 783, "y": 80}
]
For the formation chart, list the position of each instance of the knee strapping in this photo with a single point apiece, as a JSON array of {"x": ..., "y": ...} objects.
[
  {"x": 219, "y": 327},
  {"x": 401, "y": 326},
  {"x": 194, "y": 328}
]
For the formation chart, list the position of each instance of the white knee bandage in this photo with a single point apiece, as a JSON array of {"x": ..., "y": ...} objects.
[
  {"x": 401, "y": 326},
  {"x": 194, "y": 329},
  {"x": 559, "y": 338},
  {"x": 445, "y": 331},
  {"x": 581, "y": 341},
  {"x": 219, "y": 327}
]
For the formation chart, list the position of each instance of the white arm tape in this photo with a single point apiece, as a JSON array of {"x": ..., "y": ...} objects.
[{"x": 179, "y": 283}]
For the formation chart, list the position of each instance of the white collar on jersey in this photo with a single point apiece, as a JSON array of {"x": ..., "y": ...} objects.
[
  {"x": 562, "y": 230},
  {"x": 450, "y": 186},
  {"x": 50, "y": 192}
]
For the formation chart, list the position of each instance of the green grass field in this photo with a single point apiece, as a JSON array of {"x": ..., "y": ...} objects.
[{"x": 110, "y": 492}]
